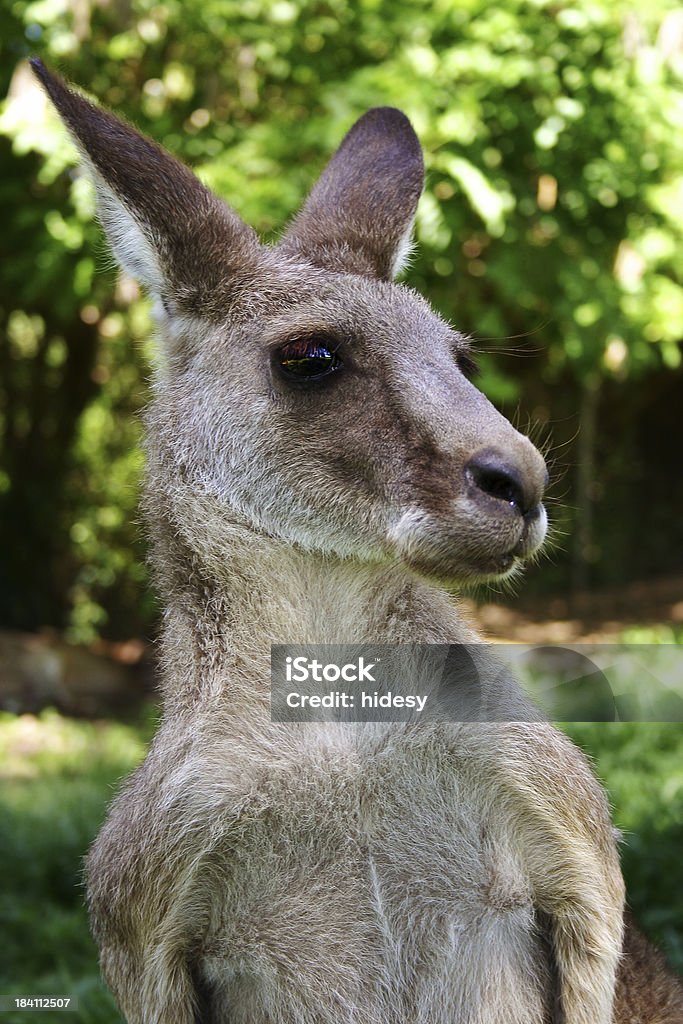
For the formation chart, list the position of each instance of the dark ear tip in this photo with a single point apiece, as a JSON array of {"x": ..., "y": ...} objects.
[
  {"x": 387, "y": 114},
  {"x": 52, "y": 83},
  {"x": 389, "y": 119},
  {"x": 387, "y": 125},
  {"x": 39, "y": 69}
]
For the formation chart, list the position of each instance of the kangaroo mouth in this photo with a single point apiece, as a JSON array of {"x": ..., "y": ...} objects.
[
  {"x": 533, "y": 535},
  {"x": 463, "y": 550}
]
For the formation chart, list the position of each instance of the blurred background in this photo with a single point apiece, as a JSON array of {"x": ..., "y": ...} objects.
[{"x": 550, "y": 230}]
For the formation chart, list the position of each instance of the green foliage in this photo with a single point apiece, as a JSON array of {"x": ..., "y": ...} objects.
[{"x": 553, "y": 209}]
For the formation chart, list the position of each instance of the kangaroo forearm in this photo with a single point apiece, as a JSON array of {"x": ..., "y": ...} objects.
[
  {"x": 144, "y": 956},
  {"x": 562, "y": 820}
]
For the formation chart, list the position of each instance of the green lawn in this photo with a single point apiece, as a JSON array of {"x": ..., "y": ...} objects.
[
  {"x": 56, "y": 778},
  {"x": 57, "y": 775}
]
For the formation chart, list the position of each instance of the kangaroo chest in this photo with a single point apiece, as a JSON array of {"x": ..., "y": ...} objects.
[{"x": 379, "y": 887}]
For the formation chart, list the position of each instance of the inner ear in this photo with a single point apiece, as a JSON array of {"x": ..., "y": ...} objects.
[
  {"x": 359, "y": 216},
  {"x": 165, "y": 227}
]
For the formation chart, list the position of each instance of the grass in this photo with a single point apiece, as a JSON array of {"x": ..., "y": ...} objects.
[{"x": 57, "y": 776}]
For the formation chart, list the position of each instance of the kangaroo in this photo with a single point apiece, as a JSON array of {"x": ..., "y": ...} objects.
[{"x": 320, "y": 469}]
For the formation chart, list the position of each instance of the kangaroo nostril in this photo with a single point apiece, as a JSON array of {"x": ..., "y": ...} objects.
[
  {"x": 498, "y": 483},
  {"x": 497, "y": 477}
]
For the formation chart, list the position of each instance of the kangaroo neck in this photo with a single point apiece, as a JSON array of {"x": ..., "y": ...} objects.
[{"x": 223, "y": 621}]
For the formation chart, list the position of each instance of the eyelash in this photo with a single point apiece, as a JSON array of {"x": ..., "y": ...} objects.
[
  {"x": 467, "y": 364},
  {"x": 464, "y": 359}
]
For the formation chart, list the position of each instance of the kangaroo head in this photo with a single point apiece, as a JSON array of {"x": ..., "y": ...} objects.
[{"x": 302, "y": 393}]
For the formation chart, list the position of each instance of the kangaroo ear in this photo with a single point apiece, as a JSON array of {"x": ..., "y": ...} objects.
[
  {"x": 165, "y": 228},
  {"x": 359, "y": 216}
]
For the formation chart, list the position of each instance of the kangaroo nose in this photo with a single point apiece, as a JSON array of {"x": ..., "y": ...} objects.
[{"x": 495, "y": 475}]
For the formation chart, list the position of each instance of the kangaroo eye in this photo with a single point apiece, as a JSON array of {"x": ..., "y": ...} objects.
[{"x": 307, "y": 359}]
